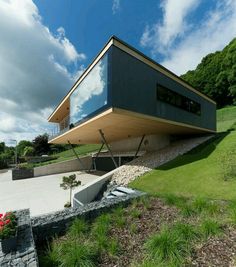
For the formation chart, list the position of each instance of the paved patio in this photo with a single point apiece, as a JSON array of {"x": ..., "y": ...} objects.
[{"x": 40, "y": 194}]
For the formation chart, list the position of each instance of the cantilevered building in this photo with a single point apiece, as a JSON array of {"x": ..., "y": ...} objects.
[{"x": 123, "y": 95}]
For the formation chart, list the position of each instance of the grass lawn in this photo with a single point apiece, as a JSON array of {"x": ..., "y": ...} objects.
[{"x": 198, "y": 173}]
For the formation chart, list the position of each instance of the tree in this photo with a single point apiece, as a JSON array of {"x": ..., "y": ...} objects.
[
  {"x": 41, "y": 145},
  {"x": 28, "y": 151},
  {"x": 22, "y": 145},
  {"x": 69, "y": 182},
  {"x": 2, "y": 147},
  {"x": 215, "y": 76}
]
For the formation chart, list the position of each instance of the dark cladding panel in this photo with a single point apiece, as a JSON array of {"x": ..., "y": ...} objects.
[{"x": 134, "y": 88}]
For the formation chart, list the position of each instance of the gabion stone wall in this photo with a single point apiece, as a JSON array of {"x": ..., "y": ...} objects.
[
  {"x": 25, "y": 255},
  {"x": 57, "y": 223}
]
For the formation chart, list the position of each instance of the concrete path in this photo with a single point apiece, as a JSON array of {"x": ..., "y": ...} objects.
[{"x": 40, "y": 194}]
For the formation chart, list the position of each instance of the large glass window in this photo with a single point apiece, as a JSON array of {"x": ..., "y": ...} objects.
[
  {"x": 166, "y": 95},
  {"x": 91, "y": 93}
]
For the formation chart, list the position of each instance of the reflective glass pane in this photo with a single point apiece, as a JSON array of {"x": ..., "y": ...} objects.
[{"x": 91, "y": 93}]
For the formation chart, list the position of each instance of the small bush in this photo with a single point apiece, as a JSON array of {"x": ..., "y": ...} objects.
[
  {"x": 146, "y": 201},
  {"x": 78, "y": 228},
  {"x": 199, "y": 205},
  {"x": 210, "y": 228},
  {"x": 186, "y": 231},
  {"x": 133, "y": 228},
  {"x": 168, "y": 247},
  {"x": 118, "y": 217},
  {"x": 135, "y": 213},
  {"x": 187, "y": 210},
  {"x": 100, "y": 230},
  {"x": 52, "y": 255},
  {"x": 113, "y": 247},
  {"x": 76, "y": 253}
]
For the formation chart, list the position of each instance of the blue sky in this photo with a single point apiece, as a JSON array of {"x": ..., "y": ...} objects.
[{"x": 46, "y": 45}]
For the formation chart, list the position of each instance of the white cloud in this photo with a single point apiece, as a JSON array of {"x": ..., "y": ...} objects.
[
  {"x": 34, "y": 69},
  {"x": 160, "y": 36},
  {"x": 215, "y": 30},
  {"x": 93, "y": 85},
  {"x": 115, "y": 6},
  {"x": 213, "y": 34}
]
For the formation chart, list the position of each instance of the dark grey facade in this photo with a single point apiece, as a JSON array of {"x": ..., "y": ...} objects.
[
  {"x": 133, "y": 86},
  {"x": 125, "y": 79}
]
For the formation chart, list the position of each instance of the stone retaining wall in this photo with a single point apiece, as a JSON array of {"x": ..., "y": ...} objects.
[
  {"x": 25, "y": 255},
  {"x": 48, "y": 225},
  {"x": 64, "y": 166}
]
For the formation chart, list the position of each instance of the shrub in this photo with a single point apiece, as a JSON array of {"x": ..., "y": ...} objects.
[
  {"x": 52, "y": 255},
  {"x": 187, "y": 210},
  {"x": 113, "y": 247},
  {"x": 186, "y": 231},
  {"x": 167, "y": 246},
  {"x": 118, "y": 217},
  {"x": 8, "y": 225},
  {"x": 78, "y": 228},
  {"x": 210, "y": 228},
  {"x": 200, "y": 204},
  {"x": 76, "y": 253},
  {"x": 133, "y": 228},
  {"x": 100, "y": 230},
  {"x": 135, "y": 213}
]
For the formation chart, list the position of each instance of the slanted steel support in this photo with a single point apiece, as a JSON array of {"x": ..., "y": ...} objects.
[
  {"x": 94, "y": 160},
  {"x": 105, "y": 142},
  {"x": 80, "y": 161},
  {"x": 139, "y": 146}
]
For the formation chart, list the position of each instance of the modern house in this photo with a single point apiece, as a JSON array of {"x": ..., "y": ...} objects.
[{"x": 124, "y": 97}]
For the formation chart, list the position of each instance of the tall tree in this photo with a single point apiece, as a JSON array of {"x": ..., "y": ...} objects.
[
  {"x": 215, "y": 76},
  {"x": 41, "y": 145}
]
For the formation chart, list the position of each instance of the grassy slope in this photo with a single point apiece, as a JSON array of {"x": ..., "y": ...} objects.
[
  {"x": 69, "y": 154},
  {"x": 197, "y": 173}
]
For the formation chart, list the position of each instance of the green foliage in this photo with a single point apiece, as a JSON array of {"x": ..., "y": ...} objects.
[
  {"x": 167, "y": 246},
  {"x": 216, "y": 75},
  {"x": 118, "y": 217},
  {"x": 113, "y": 247},
  {"x": 173, "y": 200},
  {"x": 186, "y": 231},
  {"x": 133, "y": 228},
  {"x": 41, "y": 145},
  {"x": 8, "y": 225},
  {"x": 22, "y": 145},
  {"x": 2, "y": 147},
  {"x": 78, "y": 228},
  {"x": 100, "y": 230},
  {"x": 75, "y": 253},
  {"x": 210, "y": 227},
  {"x": 28, "y": 151},
  {"x": 135, "y": 213}
]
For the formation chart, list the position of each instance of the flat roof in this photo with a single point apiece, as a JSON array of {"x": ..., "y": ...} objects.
[
  {"x": 63, "y": 105},
  {"x": 131, "y": 124}
]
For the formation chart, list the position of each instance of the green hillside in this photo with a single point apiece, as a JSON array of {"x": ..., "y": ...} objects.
[
  {"x": 200, "y": 172},
  {"x": 216, "y": 75}
]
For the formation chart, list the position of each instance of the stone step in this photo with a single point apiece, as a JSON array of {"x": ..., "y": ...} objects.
[
  {"x": 118, "y": 194},
  {"x": 125, "y": 190}
]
